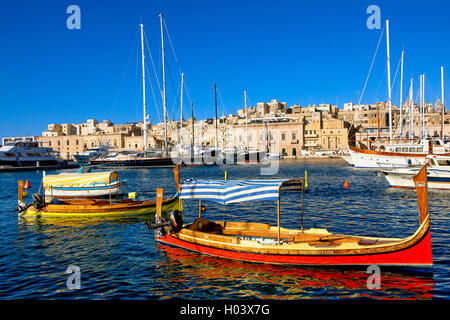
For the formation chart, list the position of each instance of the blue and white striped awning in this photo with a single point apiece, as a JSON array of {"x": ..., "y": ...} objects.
[{"x": 231, "y": 191}]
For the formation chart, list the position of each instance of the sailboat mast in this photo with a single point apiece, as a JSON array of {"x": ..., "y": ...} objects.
[
  {"x": 442, "y": 103},
  {"x": 215, "y": 104},
  {"x": 401, "y": 94},
  {"x": 246, "y": 119},
  {"x": 164, "y": 83},
  {"x": 389, "y": 81},
  {"x": 143, "y": 87},
  {"x": 423, "y": 105},
  {"x": 411, "y": 109},
  {"x": 192, "y": 118},
  {"x": 181, "y": 109}
]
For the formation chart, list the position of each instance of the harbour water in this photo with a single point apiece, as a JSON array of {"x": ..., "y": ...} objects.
[{"x": 119, "y": 259}]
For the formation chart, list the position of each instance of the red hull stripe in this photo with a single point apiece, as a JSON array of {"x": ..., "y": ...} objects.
[{"x": 418, "y": 255}]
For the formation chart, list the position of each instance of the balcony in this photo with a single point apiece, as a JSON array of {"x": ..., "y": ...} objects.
[
  {"x": 294, "y": 141},
  {"x": 311, "y": 135}
]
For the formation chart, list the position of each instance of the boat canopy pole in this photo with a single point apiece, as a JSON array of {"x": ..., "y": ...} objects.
[
  {"x": 301, "y": 223},
  {"x": 278, "y": 208}
]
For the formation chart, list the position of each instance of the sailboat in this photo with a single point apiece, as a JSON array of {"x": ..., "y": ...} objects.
[
  {"x": 399, "y": 155},
  {"x": 146, "y": 158}
]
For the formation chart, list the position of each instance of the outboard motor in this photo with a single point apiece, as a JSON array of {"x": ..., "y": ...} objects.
[
  {"x": 175, "y": 223},
  {"x": 22, "y": 206},
  {"x": 38, "y": 202}
]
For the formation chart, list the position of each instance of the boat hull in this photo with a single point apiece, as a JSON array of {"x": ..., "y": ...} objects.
[
  {"x": 413, "y": 252},
  {"x": 104, "y": 209},
  {"x": 145, "y": 162},
  {"x": 405, "y": 180}
]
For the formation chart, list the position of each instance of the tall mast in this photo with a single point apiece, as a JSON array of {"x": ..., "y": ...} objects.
[
  {"x": 192, "y": 118},
  {"x": 442, "y": 103},
  {"x": 181, "y": 109},
  {"x": 389, "y": 81},
  {"x": 164, "y": 84},
  {"x": 423, "y": 105},
  {"x": 411, "y": 109},
  {"x": 421, "y": 108},
  {"x": 215, "y": 104},
  {"x": 246, "y": 119},
  {"x": 401, "y": 94},
  {"x": 143, "y": 87}
]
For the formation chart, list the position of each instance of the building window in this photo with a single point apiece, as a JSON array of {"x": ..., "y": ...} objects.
[
  {"x": 283, "y": 137},
  {"x": 76, "y": 142},
  {"x": 283, "y": 152},
  {"x": 294, "y": 151},
  {"x": 67, "y": 142},
  {"x": 59, "y": 143},
  {"x": 294, "y": 136},
  {"x": 49, "y": 143}
]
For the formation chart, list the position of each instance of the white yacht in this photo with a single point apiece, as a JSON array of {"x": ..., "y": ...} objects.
[
  {"x": 438, "y": 174},
  {"x": 397, "y": 155},
  {"x": 28, "y": 154}
]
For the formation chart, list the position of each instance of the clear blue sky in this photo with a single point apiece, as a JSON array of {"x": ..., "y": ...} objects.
[{"x": 301, "y": 52}]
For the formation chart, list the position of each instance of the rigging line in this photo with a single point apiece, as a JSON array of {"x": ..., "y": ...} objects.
[
  {"x": 123, "y": 77},
  {"x": 379, "y": 84},
  {"x": 370, "y": 70},
  {"x": 176, "y": 59},
  {"x": 154, "y": 96},
  {"x": 173, "y": 86},
  {"x": 223, "y": 106},
  {"x": 175, "y": 100},
  {"x": 395, "y": 76},
  {"x": 153, "y": 64}
]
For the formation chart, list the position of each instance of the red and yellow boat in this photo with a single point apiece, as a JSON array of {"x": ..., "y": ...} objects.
[{"x": 263, "y": 243}]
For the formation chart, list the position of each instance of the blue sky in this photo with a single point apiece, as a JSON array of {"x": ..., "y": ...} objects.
[{"x": 301, "y": 52}]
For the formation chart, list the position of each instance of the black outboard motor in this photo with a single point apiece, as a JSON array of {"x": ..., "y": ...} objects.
[
  {"x": 175, "y": 223},
  {"x": 38, "y": 202}
]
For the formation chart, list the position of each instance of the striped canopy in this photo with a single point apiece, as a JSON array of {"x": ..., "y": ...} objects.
[
  {"x": 231, "y": 191},
  {"x": 78, "y": 179}
]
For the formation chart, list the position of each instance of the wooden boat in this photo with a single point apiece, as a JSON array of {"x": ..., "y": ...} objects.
[
  {"x": 260, "y": 242},
  {"x": 83, "y": 185},
  {"x": 90, "y": 207}
]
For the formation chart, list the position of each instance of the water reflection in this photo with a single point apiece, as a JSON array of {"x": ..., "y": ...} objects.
[{"x": 195, "y": 273}]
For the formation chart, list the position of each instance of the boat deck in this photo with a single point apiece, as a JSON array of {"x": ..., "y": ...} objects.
[{"x": 239, "y": 233}]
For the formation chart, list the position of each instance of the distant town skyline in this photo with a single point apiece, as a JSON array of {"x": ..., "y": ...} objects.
[{"x": 293, "y": 51}]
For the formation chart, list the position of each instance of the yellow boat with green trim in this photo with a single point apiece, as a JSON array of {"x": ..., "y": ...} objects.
[{"x": 93, "y": 207}]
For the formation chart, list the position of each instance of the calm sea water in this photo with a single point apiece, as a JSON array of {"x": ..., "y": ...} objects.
[{"x": 119, "y": 259}]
